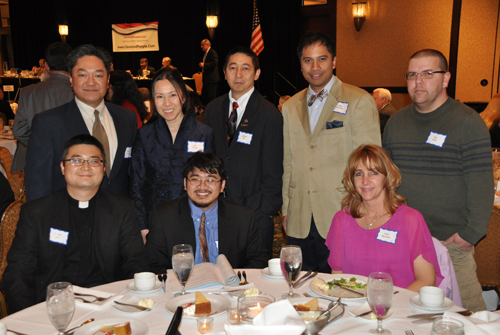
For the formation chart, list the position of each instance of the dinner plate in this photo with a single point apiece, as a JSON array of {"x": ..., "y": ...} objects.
[
  {"x": 129, "y": 309},
  {"x": 447, "y": 303},
  {"x": 158, "y": 286},
  {"x": 338, "y": 292},
  {"x": 219, "y": 304},
  {"x": 265, "y": 272},
  {"x": 138, "y": 327},
  {"x": 366, "y": 307}
]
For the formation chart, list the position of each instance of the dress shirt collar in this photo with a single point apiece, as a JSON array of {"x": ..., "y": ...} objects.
[
  {"x": 197, "y": 211},
  {"x": 317, "y": 107},
  {"x": 88, "y": 111},
  {"x": 327, "y": 87},
  {"x": 242, "y": 104}
]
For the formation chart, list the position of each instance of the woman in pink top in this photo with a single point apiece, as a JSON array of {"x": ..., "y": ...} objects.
[{"x": 376, "y": 231}]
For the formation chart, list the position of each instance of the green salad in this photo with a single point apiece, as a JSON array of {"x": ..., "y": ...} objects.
[{"x": 347, "y": 283}]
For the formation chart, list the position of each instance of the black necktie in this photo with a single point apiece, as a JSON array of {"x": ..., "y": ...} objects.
[{"x": 231, "y": 122}]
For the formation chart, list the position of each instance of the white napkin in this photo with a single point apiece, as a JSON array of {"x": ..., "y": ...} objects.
[
  {"x": 480, "y": 323},
  {"x": 239, "y": 287},
  {"x": 95, "y": 305},
  {"x": 279, "y": 318}
]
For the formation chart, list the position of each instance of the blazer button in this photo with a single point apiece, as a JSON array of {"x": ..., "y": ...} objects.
[
  {"x": 308, "y": 192},
  {"x": 310, "y": 169},
  {"x": 312, "y": 146}
]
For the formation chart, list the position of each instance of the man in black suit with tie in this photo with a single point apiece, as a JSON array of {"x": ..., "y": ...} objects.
[
  {"x": 248, "y": 133},
  {"x": 87, "y": 113},
  {"x": 210, "y": 69},
  {"x": 212, "y": 226},
  {"x": 81, "y": 233}
]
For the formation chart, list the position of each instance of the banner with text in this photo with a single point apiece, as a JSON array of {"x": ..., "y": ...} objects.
[{"x": 129, "y": 37}]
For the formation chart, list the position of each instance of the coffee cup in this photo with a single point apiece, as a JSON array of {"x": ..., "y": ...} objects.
[
  {"x": 275, "y": 267},
  {"x": 431, "y": 296},
  {"x": 144, "y": 281}
]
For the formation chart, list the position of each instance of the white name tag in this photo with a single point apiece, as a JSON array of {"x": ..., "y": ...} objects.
[
  {"x": 128, "y": 152},
  {"x": 245, "y": 138},
  {"x": 386, "y": 235},
  {"x": 341, "y": 108},
  {"x": 436, "y": 139},
  {"x": 58, "y": 236},
  {"x": 196, "y": 146}
]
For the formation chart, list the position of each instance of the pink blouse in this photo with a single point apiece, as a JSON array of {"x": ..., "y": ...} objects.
[{"x": 354, "y": 250}]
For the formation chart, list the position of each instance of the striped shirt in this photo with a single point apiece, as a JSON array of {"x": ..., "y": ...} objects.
[{"x": 446, "y": 167}]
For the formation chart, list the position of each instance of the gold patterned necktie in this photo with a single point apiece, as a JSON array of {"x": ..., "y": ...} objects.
[
  {"x": 99, "y": 132},
  {"x": 203, "y": 240}
]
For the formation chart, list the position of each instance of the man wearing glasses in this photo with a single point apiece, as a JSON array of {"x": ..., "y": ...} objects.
[
  {"x": 442, "y": 148},
  {"x": 211, "y": 225},
  {"x": 81, "y": 233}
]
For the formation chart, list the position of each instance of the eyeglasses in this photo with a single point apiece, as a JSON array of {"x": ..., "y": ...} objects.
[
  {"x": 209, "y": 182},
  {"x": 81, "y": 161},
  {"x": 424, "y": 74}
]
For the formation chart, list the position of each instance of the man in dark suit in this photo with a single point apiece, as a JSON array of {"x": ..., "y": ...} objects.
[
  {"x": 212, "y": 226},
  {"x": 248, "y": 132},
  {"x": 36, "y": 98},
  {"x": 144, "y": 66},
  {"x": 81, "y": 233},
  {"x": 114, "y": 126},
  {"x": 383, "y": 98},
  {"x": 210, "y": 69}
]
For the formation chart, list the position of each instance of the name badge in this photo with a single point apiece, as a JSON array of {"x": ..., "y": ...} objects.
[
  {"x": 245, "y": 138},
  {"x": 436, "y": 139},
  {"x": 341, "y": 108},
  {"x": 196, "y": 146},
  {"x": 58, "y": 236},
  {"x": 128, "y": 152},
  {"x": 386, "y": 235}
]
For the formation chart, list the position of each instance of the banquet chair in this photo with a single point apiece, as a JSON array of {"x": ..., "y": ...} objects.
[
  {"x": 449, "y": 283},
  {"x": 6, "y": 158},
  {"x": 198, "y": 81},
  {"x": 487, "y": 254},
  {"x": 4, "y": 117},
  {"x": 8, "y": 227}
]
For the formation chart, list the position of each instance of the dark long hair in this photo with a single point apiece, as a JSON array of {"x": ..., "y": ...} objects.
[
  {"x": 175, "y": 78},
  {"x": 125, "y": 88}
]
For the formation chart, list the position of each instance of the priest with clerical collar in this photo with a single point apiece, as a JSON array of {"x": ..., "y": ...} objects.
[{"x": 81, "y": 234}]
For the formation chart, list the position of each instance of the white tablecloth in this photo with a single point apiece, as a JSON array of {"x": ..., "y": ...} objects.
[{"x": 34, "y": 320}]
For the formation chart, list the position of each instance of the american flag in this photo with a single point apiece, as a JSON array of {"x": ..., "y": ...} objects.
[{"x": 257, "y": 44}]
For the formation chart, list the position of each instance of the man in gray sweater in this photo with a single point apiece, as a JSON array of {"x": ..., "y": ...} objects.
[{"x": 442, "y": 148}]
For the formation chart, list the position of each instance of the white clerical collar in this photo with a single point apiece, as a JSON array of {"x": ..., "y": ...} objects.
[{"x": 83, "y": 204}]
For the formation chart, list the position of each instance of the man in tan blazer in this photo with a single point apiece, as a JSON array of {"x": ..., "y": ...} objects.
[{"x": 323, "y": 124}]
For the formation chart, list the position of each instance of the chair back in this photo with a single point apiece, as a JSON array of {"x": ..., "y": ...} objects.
[
  {"x": 198, "y": 80},
  {"x": 487, "y": 253},
  {"x": 449, "y": 284},
  {"x": 6, "y": 158},
  {"x": 7, "y": 231}
]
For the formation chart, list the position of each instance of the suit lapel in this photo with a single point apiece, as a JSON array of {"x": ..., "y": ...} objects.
[
  {"x": 75, "y": 123},
  {"x": 247, "y": 119},
  {"x": 224, "y": 229},
  {"x": 120, "y": 129},
  {"x": 330, "y": 104},
  {"x": 103, "y": 223},
  {"x": 186, "y": 226},
  {"x": 304, "y": 114}
]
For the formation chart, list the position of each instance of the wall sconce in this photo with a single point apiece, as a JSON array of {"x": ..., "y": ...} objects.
[
  {"x": 212, "y": 23},
  {"x": 63, "y": 31},
  {"x": 358, "y": 11}
]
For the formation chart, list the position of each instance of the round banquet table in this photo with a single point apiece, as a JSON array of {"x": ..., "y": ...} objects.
[{"x": 34, "y": 320}]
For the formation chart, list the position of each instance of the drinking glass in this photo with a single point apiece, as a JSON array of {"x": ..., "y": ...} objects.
[
  {"x": 380, "y": 292},
  {"x": 60, "y": 304},
  {"x": 449, "y": 326},
  {"x": 182, "y": 264},
  {"x": 291, "y": 264}
]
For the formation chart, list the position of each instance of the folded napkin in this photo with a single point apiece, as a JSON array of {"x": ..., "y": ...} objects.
[
  {"x": 97, "y": 305},
  {"x": 279, "y": 318},
  {"x": 480, "y": 323}
]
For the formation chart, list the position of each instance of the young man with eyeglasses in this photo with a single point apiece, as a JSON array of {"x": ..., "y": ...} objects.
[
  {"x": 442, "y": 148},
  {"x": 211, "y": 225},
  {"x": 81, "y": 233}
]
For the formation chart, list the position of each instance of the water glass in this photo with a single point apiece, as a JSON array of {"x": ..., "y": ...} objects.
[
  {"x": 380, "y": 292},
  {"x": 182, "y": 264},
  {"x": 60, "y": 304},
  {"x": 291, "y": 264}
]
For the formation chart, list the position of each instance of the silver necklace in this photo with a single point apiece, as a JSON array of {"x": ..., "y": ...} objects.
[{"x": 369, "y": 226}]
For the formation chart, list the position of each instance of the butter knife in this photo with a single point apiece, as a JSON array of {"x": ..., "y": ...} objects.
[
  {"x": 314, "y": 274},
  {"x": 301, "y": 278},
  {"x": 136, "y": 306},
  {"x": 348, "y": 289}
]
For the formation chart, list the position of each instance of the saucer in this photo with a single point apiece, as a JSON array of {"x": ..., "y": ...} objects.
[
  {"x": 158, "y": 286},
  {"x": 265, "y": 272},
  {"x": 447, "y": 303}
]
